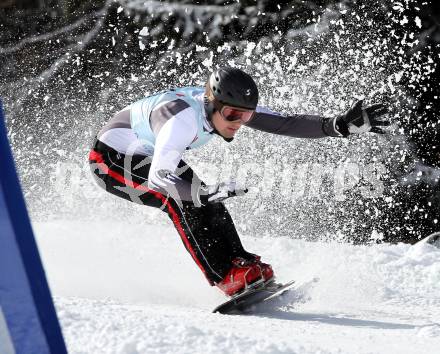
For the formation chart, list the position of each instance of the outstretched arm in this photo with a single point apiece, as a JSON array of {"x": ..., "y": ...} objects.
[
  {"x": 356, "y": 120},
  {"x": 296, "y": 125}
]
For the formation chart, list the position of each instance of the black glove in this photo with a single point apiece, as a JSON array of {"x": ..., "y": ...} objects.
[
  {"x": 219, "y": 192},
  {"x": 358, "y": 120}
]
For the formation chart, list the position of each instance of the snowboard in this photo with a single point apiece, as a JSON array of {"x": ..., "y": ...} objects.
[{"x": 244, "y": 301}]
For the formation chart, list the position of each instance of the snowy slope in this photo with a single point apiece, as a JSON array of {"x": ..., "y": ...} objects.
[{"x": 124, "y": 288}]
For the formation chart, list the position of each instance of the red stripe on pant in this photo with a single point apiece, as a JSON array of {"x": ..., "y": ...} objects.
[{"x": 96, "y": 156}]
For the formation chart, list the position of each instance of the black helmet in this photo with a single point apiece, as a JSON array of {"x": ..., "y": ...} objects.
[{"x": 232, "y": 87}]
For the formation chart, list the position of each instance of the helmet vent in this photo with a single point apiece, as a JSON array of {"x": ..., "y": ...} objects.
[{"x": 230, "y": 94}]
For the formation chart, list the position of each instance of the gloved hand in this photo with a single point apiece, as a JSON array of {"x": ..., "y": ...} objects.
[
  {"x": 359, "y": 120},
  {"x": 219, "y": 192}
]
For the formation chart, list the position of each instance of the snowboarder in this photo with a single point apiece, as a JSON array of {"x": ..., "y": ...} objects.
[{"x": 137, "y": 155}]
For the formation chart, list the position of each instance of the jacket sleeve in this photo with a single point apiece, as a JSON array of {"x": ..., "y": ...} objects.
[
  {"x": 165, "y": 175},
  {"x": 296, "y": 125}
]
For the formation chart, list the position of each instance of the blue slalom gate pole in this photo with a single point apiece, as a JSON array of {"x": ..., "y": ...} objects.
[{"x": 28, "y": 321}]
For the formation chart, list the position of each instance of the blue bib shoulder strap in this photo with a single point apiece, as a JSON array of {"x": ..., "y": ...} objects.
[{"x": 141, "y": 110}]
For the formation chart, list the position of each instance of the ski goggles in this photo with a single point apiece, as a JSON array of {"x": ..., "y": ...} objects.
[{"x": 232, "y": 114}]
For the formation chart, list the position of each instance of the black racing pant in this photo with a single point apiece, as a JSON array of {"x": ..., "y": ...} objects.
[{"x": 207, "y": 232}]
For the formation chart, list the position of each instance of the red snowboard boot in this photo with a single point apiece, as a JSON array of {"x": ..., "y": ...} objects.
[{"x": 244, "y": 273}]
